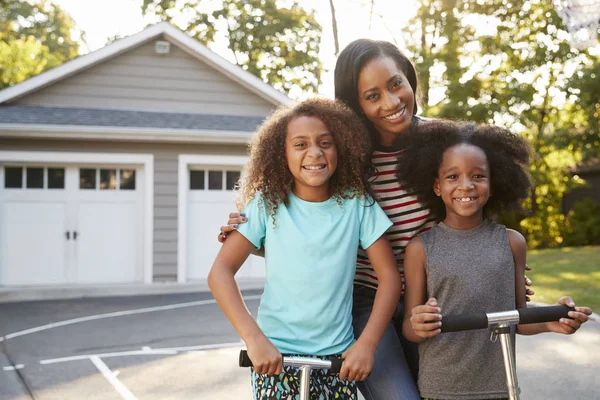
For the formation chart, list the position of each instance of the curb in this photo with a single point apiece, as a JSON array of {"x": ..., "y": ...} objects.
[{"x": 18, "y": 294}]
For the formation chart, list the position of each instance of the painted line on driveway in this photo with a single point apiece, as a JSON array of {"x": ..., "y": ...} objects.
[
  {"x": 110, "y": 376},
  {"x": 112, "y": 315},
  {"x": 12, "y": 368},
  {"x": 145, "y": 351}
]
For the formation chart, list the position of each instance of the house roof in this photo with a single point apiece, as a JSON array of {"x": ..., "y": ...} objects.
[
  {"x": 185, "y": 42},
  {"x": 102, "y": 124},
  {"x": 36, "y": 115}
]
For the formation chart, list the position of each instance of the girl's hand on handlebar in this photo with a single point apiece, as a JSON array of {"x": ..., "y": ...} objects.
[
  {"x": 568, "y": 326},
  {"x": 265, "y": 357},
  {"x": 235, "y": 219},
  {"x": 358, "y": 362},
  {"x": 426, "y": 319}
]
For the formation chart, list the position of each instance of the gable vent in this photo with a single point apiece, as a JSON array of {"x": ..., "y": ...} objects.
[{"x": 162, "y": 47}]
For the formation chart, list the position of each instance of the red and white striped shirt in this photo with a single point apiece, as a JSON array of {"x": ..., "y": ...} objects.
[{"x": 409, "y": 217}]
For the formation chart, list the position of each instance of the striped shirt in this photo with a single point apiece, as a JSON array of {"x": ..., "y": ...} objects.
[{"x": 408, "y": 216}]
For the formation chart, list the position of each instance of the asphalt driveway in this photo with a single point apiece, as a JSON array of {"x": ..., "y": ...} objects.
[{"x": 180, "y": 346}]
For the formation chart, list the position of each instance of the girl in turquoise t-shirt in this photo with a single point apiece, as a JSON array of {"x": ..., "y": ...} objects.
[{"x": 307, "y": 191}]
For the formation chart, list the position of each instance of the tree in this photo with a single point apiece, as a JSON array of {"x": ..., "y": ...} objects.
[
  {"x": 334, "y": 27},
  {"x": 507, "y": 62},
  {"x": 279, "y": 45},
  {"x": 34, "y": 36}
]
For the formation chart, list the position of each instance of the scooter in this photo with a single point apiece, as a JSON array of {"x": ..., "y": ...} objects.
[
  {"x": 305, "y": 365},
  {"x": 499, "y": 323}
]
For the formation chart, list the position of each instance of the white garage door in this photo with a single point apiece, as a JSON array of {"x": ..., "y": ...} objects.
[
  {"x": 62, "y": 224},
  {"x": 210, "y": 200}
]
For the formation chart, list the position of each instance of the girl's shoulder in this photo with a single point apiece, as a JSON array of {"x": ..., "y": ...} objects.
[{"x": 516, "y": 239}]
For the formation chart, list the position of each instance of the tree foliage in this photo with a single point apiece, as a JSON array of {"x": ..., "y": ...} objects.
[
  {"x": 34, "y": 36},
  {"x": 508, "y": 62},
  {"x": 279, "y": 45}
]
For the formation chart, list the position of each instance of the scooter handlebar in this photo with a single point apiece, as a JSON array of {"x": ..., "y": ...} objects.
[
  {"x": 464, "y": 322},
  {"x": 336, "y": 362},
  {"x": 543, "y": 314},
  {"x": 244, "y": 359}
]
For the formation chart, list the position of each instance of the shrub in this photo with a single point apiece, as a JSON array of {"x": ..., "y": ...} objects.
[{"x": 583, "y": 224}]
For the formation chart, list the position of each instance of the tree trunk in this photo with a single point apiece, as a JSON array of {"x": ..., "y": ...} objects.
[
  {"x": 371, "y": 14},
  {"x": 335, "y": 30}
]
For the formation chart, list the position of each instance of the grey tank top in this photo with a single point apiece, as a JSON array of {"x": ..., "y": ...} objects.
[{"x": 467, "y": 271}]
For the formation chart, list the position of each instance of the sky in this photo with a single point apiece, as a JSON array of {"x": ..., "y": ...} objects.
[{"x": 104, "y": 19}]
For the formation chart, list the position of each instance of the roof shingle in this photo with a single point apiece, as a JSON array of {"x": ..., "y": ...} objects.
[{"x": 37, "y": 115}]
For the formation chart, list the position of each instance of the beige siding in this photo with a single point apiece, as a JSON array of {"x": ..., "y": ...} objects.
[
  {"x": 165, "y": 184},
  {"x": 143, "y": 80}
]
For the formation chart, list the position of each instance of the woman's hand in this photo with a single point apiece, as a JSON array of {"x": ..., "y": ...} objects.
[
  {"x": 528, "y": 282},
  {"x": 568, "y": 326},
  {"x": 235, "y": 219},
  {"x": 426, "y": 319},
  {"x": 265, "y": 357},
  {"x": 358, "y": 362}
]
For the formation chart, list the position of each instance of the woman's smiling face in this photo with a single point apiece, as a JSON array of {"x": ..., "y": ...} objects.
[{"x": 386, "y": 98}]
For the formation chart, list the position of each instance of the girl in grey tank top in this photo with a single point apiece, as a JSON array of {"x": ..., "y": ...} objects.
[{"x": 465, "y": 173}]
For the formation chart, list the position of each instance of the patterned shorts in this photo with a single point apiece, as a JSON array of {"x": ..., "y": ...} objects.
[{"x": 286, "y": 386}]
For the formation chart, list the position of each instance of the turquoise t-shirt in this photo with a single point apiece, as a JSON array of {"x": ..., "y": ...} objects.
[{"x": 310, "y": 258}]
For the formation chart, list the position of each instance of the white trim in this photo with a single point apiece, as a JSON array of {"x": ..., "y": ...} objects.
[
  {"x": 123, "y": 133},
  {"x": 147, "y": 160},
  {"x": 185, "y": 160},
  {"x": 176, "y": 36}
]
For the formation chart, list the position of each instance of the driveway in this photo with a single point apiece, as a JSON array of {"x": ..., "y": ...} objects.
[{"x": 180, "y": 346}]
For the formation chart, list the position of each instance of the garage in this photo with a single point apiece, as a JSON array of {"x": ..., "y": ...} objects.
[
  {"x": 207, "y": 193},
  {"x": 63, "y": 223}
]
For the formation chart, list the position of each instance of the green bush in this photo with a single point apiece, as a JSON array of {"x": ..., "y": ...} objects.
[{"x": 583, "y": 224}]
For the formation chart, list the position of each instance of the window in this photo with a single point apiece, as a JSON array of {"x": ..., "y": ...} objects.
[
  {"x": 127, "y": 181},
  {"x": 232, "y": 179},
  {"x": 13, "y": 177},
  {"x": 108, "y": 179},
  {"x": 35, "y": 178},
  {"x": 56, "y": 178},
  {"x": 215, "y": 180},
  {"x": 220, "y": 180},
  {"x": 87, "y": 178},
  {"x": 197, "y": 180}
]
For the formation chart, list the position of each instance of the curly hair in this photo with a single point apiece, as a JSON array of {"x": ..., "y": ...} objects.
[
  {"x": 267, "y": 171},
  {"x": 507, "y": 155}
]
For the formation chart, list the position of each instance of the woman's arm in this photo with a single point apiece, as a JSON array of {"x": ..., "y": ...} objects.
[
  {"x": 235, "y": 219},
  {"x": 421, "y": 316},
  {"x": 221, "y": 281},
  {"x": 566, "y": 326},
  {"x": 358, "y": 359}
]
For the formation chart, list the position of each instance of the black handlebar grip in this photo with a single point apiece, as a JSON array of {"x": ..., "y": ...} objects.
[
  {"x": 543, "y": 314},
  {"x": 244, "y": 359},
  {"x": 336, "y": 365},
  {"x": 464, "y": 322}
]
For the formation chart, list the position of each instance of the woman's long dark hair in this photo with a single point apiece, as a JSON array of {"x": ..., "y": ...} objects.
[{"x": 353, "y": 59}]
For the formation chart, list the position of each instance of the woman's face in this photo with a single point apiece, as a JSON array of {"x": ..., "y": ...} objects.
[{"x": 386, "y": 98}]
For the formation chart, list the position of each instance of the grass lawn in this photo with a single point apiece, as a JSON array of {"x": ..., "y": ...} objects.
[{"x": 573, "y": 271}]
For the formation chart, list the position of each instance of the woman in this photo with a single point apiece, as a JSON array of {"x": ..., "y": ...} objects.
[{"x": 379, "y": 84}]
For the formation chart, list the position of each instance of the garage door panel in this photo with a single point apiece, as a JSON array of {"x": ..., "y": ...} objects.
[
  {"x": 33, "y": 241},
  {"x": 107, "y": 243},
  {"x": 205, "y": 220}
]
